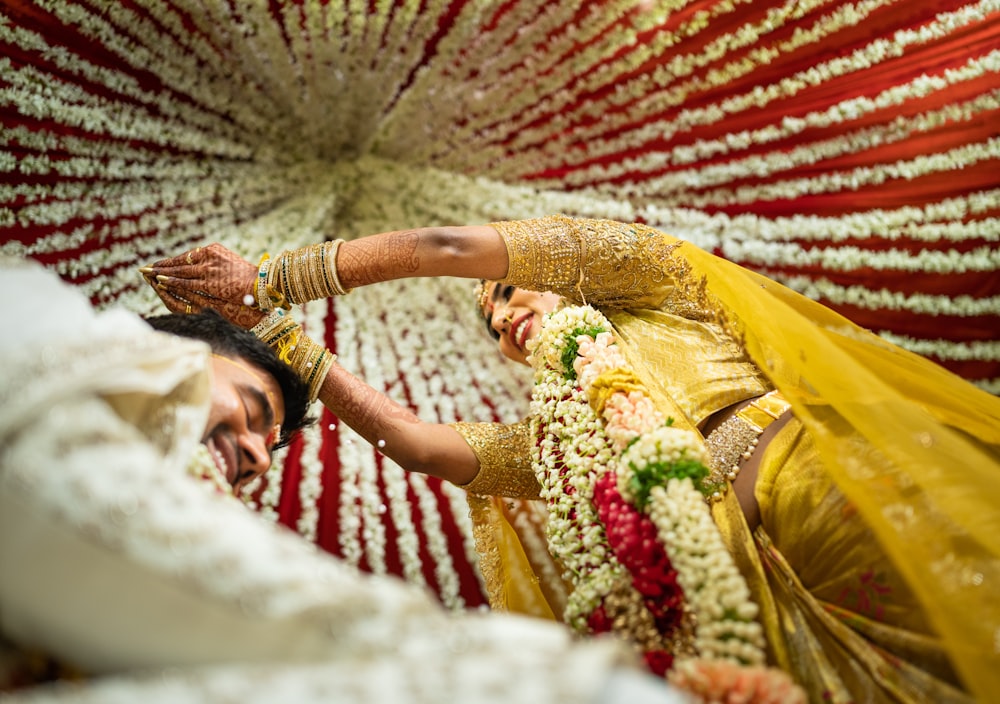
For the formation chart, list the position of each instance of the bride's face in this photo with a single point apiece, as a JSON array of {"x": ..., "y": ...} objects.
[{"x": 514, "y": 316}]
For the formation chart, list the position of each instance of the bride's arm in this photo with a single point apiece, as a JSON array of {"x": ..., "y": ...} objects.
[
  {"x": 215, "y": 276},
  {"x": 430, "y": 448},
  {"x": 475, "y": 251}
]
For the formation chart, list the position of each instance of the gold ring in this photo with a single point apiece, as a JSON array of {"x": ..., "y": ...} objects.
[
  {"x": 189, "y": 260},
  {"x": 187, "y": 309},
  {"x": 508, "y": 318}
]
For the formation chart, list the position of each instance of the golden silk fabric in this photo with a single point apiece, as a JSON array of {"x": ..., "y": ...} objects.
[
  {"x": 519, "y": 573},
  {"x": 877, "y": 564}
]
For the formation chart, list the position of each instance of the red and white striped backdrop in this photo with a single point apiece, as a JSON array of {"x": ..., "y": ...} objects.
[{"x": 850, "y": 150}]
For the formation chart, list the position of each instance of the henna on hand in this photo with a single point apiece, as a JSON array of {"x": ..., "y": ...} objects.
[
  {"x": 368, "y": 412},
  {"x": 213, "y": 272}
]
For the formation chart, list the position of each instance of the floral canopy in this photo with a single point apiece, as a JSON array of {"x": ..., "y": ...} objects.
[{"x": 849, "y": 150}]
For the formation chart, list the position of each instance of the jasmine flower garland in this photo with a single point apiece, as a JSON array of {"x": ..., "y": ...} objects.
[
  {"x": 623, "y": 487},
  {"x": 201, "y": 466}
]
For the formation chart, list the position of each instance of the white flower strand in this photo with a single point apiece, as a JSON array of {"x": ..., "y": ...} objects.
[
  {"x": 846, "y": 258},
  {"x": 863, "y": 297},
  {"x": 409, "y": 341},
  {"x": 375, "y": 349},
  {"x": 574, "y": 532},
  {"x": 937, "y": 221},
  {"x": 310, "y": 460},
  {"x": 716, "y": 591},
  {"x": 960, "y": 157},
  {"x": 561, "y": 412},
  {"x": 978, "y": 350}
]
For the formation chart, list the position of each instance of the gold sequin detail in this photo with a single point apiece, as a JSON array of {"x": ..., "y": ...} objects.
[
  {"x": 504, "y": 453},
  {"x": 601, "y": 263},
  {"x": 736, "y": 437}
]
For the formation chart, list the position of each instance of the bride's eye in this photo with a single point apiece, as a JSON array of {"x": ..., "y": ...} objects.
[{"x": 489, "y": 327}]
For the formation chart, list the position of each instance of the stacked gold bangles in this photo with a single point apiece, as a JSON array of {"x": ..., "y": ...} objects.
[
  {"x": 299, "y": 275},
  {"x": 310, "y": 360}
]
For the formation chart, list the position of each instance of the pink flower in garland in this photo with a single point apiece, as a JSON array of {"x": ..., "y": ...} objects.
[
  {"x": 596, "y": 355},
  {"x": 628, "y": 415},
  {"x": 723, "y": 682}
]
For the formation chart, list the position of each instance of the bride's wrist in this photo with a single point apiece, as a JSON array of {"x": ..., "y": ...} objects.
[
  {"x": 310, "y": 360},
  {"x": 300, "y": 275}
]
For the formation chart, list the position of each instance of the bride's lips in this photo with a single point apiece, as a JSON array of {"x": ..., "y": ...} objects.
[
  {"x": 521, "y": 340},
  {"x": 223, "y": 455}
]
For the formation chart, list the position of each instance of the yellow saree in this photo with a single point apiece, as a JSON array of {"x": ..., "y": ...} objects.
[{"x": 877, "y": 558}]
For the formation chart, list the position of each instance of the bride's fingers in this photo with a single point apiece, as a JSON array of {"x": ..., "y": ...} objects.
[
  {"x": 180, "y": 283},
  {"x": 184, "y": 291},
  {"x": 192, "y": 264},
  {"x": 192, "y": 257},
  {"x": 191, "y": 272},
  {"x": 176, "y": 304}
]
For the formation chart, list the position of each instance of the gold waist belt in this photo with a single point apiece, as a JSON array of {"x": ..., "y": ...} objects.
[{"x": 736, "y": 437}]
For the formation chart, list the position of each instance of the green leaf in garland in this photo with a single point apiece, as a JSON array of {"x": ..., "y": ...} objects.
[{"x": 657, "y": 473}]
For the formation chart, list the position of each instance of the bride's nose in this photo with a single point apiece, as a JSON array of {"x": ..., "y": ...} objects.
[{"x": 502, "y": 316}]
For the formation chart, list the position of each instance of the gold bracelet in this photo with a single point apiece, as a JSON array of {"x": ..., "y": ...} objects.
[
  {"x": 312, "y": 362},
  {"x": 263, "y": 301},
  {"x": 336, "y": 286}
]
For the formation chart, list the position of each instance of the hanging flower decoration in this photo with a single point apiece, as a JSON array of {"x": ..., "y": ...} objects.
[
  {"x": 202, "y": 467},
  {"x": 626, "y": 492}
]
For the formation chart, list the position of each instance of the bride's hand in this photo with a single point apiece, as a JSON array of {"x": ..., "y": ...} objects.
[{"x": 207, "y": 277}]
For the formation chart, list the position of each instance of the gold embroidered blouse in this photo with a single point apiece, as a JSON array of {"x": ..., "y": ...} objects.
[
  {"x": 504, "y": 453},
  {"x": 673, "y": 334}
]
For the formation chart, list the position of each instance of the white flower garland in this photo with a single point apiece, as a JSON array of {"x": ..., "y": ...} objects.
[
  {"x": 311, "y": 481},
  {"x": 631, "y": 439}
]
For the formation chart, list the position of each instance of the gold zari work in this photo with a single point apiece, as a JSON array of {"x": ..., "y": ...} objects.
[{"x": 504, "y": 453}]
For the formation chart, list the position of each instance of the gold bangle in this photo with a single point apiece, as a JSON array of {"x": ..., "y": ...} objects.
[
  {"x": 312, "y": 362},
  {"x": 260, "y": 291},
  {"x": 336, "y": 286},
  {"x": 301, "y": 275}
]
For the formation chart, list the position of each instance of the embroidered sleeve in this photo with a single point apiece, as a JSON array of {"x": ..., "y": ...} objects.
[
  {"x": 598, "y": 262},
  {"x": 504, "y": 453}
]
